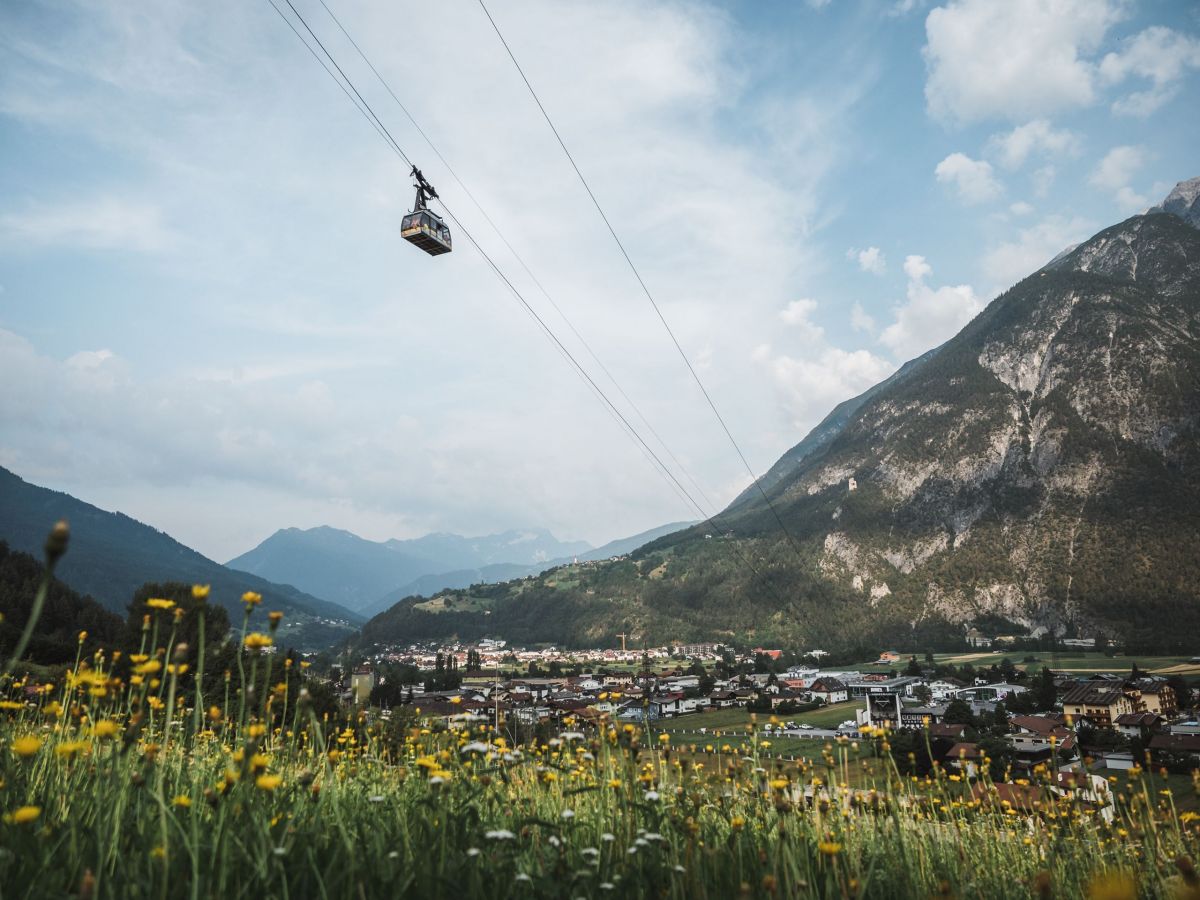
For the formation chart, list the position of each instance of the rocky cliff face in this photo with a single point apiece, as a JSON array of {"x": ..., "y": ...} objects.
[{"x": 1043, "y": 465}]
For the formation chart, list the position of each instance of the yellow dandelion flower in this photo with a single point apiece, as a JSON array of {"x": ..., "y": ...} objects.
[
  {"x": 183, "y": 800},
  {"x": 250, "y": 598},
  {"x": 268, "y": 782},
  {"x": 26, "y": 746},
  {"x": 200, "y": 591},
  {"x": 829, "y": 848},
  {"x": 150, "y": 667},
  {"x": 105, "y": 729},
  {"x": 159, "y": 603},
  {"x": 257, "y": 641},
  {"x": 23, "y": 815}
]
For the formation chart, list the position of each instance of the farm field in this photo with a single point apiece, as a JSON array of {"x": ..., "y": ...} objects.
[{"x": 1076, "y": 662}]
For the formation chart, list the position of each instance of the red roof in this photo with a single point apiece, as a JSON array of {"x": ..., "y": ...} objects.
[
  {"x": 1037, "y": 724},
  {"x": 947, "y": 730}
]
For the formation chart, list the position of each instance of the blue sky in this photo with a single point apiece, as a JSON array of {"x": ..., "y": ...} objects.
[{"x": 208, "y": 320}]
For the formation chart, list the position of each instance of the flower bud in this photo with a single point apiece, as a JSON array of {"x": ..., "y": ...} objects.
[{"x": 56, "y": 543}]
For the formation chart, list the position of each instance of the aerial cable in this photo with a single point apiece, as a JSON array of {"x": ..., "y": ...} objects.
[
  {"x": 387, "y": 134},
  {"x": 328, "y": 71},
  {"x": 365, "y": 109},
  {"x": 638, "y": 275},
  {"x": 520, "y": 260},
  {"x": 391, "y": 141}
]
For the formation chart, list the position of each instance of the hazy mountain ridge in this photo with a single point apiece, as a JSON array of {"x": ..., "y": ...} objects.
[
  {"x": 1042, "y": 465},
  {"x": 344, "y": 568}
]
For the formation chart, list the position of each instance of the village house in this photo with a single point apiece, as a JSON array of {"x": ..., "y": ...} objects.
[
  {"x": 1096, "y": 702},
  {"x": 965, "y": 757},
  {"x": 829, "y": 690},
  {"x": 1138, "y": 724},
  {"x": 723, "y": 699},
  {"x": 944, "y": 689},
  {"x": 1155, "y": 695},
  {"x": 1092, "y": 790},
  {"x": 1178, "y": 746}
]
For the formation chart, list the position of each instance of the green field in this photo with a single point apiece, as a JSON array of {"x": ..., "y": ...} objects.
[
  {"x": 735, "y": 719},
  {"x": 1082, "y": 661}
]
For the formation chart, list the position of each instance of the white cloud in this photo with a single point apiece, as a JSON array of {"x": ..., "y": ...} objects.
[
  {"x": 797, "y": 315},
  {"x": 972, "y": 178},
  {"x": 1039, "y": 136},
  {"x": 860, "y": 320},
  {"x": 1159, "y": 55},
  {"x": 916, "y": 268},
  {"x": 929, "y": 315},
  {"x": 810, "y": 385},
  {"x": 1014, "y": 60},
  {"x": 102, "y": 223},
  {"x": 904, "y": 7},
  {"x": 870, "y": 260},
  {"x": 1115, "y": 172},
  {"x": 1010, "y": 261},
  {"x": 1020, "y": 208}
]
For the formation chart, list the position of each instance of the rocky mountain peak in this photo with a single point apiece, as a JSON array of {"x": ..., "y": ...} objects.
[{"x": 1183, "y": 201}]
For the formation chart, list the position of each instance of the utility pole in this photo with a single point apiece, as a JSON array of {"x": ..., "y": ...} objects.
[{"x": 622, "y": 636}]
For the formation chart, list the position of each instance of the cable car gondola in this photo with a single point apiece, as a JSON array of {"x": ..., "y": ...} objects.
[{"x": 423, "y": 227}]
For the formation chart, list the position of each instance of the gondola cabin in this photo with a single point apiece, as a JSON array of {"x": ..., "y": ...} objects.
[
  {"x": 427, "y": 231},
  {"x": 423, "y": 227}
]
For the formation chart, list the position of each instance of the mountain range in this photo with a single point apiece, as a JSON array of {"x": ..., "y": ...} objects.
[
  {"x": 370, "y": 576},
  {"x": 1039, "y": 471}
]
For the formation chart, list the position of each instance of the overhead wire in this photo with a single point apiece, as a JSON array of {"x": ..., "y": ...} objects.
[
  {"x": 638, "y": 275},
  {"x": 366, "y": 110},
  {"x": 520, "y": 260}
]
